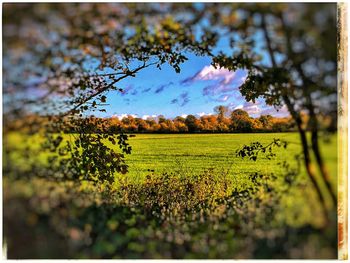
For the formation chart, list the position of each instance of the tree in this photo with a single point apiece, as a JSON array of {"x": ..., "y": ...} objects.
[
  {"x": 240, "y": 121},
  {"x": 68, "y": 56},
  {"x": 208, "y": 123},
  {"x": 295, "y": 65},
  {"x": 142, "y": 125},
  {"x": 161, "y": 119},
  {"x": 265, "y": 121},
  {"x": 191, "y": 122},
  {"x": 75, "y": 53},
  {"x": 180, "y": 126},
  {"x": 221, "y": 112},
  {"x": 223, "y": 125}
]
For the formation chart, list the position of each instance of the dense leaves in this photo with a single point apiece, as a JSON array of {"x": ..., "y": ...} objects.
[
  {"x": 61, "y": 60},
  {"x": 253, "y": 150},
  {"x": 82, "y": 51},
  {"x": 165, "y": 216}
]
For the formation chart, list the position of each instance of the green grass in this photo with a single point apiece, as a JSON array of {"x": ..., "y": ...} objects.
[
  {"x": 186, "y": 156},
  {"x": 192, "y": 153},
  {"x": 195, "y": 152}
]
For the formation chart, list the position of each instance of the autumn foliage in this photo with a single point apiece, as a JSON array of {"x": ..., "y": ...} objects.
[{"x": 237, "y": 121}]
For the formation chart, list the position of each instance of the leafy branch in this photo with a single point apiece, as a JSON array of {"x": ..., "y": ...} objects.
[{"x": 253, "y": 150}]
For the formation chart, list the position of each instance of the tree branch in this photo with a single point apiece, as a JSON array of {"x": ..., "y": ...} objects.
[{"x": 127, "y": 74}]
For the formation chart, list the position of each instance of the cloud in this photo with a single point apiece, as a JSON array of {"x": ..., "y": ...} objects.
[
  {"x": 162, "y": 87},
  {"x": 283, "y": 112},
  {"x": 259, "y": 108},
  {"x": 201, "y": 114},
  {"x": 242, "y": 79},
  {"x": 238, "y": 107},
  {"x": 218, "y": 88},
  {"x": 127, "y": 101},
  {"x": 252, "y": 108},
  {"x": 211, "y": 73},
  {"x": 146, "y": 116},
  {"x": 184, "y": 115},
  {"x": 224, "y": 86},
  {"x": 123, "y": 115},
  {"x": 146, "y": 90},
  {"x": 134, "y": 92},
  {"x": 182, "y": 99},
  {"x": 224, "y": 97},
  {"x": 223, "y": 83},
  {"x": 188, "y": 80},
  {"x": 127, "y": 90}
]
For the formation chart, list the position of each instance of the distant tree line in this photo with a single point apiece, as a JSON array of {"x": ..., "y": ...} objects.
[
  {"x": 223, "y": 121},
  {"x": 238, "y": 121}
]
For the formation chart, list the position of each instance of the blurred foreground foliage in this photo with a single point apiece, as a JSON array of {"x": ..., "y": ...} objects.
[
  {"x": 211, "y": 213},
  {"x": 60, "y": 61},
  {"x": 165, "y": 216}
]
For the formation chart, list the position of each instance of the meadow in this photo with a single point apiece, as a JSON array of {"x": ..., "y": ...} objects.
[
  {"x": 185, "y": 196},
  {"x": 195, "y": 152}
]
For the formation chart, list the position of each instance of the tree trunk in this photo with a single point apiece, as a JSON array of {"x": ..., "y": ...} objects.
[
  {"x": 313, "y": 119},
  {"x": 306, "y": 154},
  {"x": 297, "y": 118},
  {"x": 314, "y": 138},
  {"x": 322, "y": 166}
]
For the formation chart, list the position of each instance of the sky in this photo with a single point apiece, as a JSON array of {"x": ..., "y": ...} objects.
[{"x": 197, "y": 89}]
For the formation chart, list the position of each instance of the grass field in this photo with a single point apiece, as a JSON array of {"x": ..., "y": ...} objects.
[
  {"x": 165, "y": 218},
  {"x": 190, "y": 154},
  {"x": 195, "y": 152}
]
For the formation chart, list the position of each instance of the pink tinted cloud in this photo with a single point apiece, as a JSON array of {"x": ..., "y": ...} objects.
[
  {"x": 283, "y": 112},
  {"x": 212, "y": 73},
  {"x": 224, "y": 83}
]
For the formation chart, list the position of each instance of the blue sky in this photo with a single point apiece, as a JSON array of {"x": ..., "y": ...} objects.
[{"x": 197, "y": 89}]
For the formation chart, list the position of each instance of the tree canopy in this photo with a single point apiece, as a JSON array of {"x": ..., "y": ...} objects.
[{"x": 61, "y": 60}]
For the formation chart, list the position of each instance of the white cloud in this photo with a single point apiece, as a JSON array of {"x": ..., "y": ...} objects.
[
  {"x": 252, "y": 110},
  {"x": 283, "y": 112},
  {"x": 146, "y": 116},
  {"x": 224, "y": 98},
  {"x": 184, "y": 115},
  {"x": 259, "y": 108},
  {"x": 201, "y": 114},
  {"x": 242, "y": 79},
  {"x": 238, "y": 107},
  {"x": 211, "y": 73},
  {"x": 123, "y": 115}
]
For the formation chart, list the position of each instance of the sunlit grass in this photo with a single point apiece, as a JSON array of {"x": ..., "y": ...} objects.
[{"x": 185, "y": 159}]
